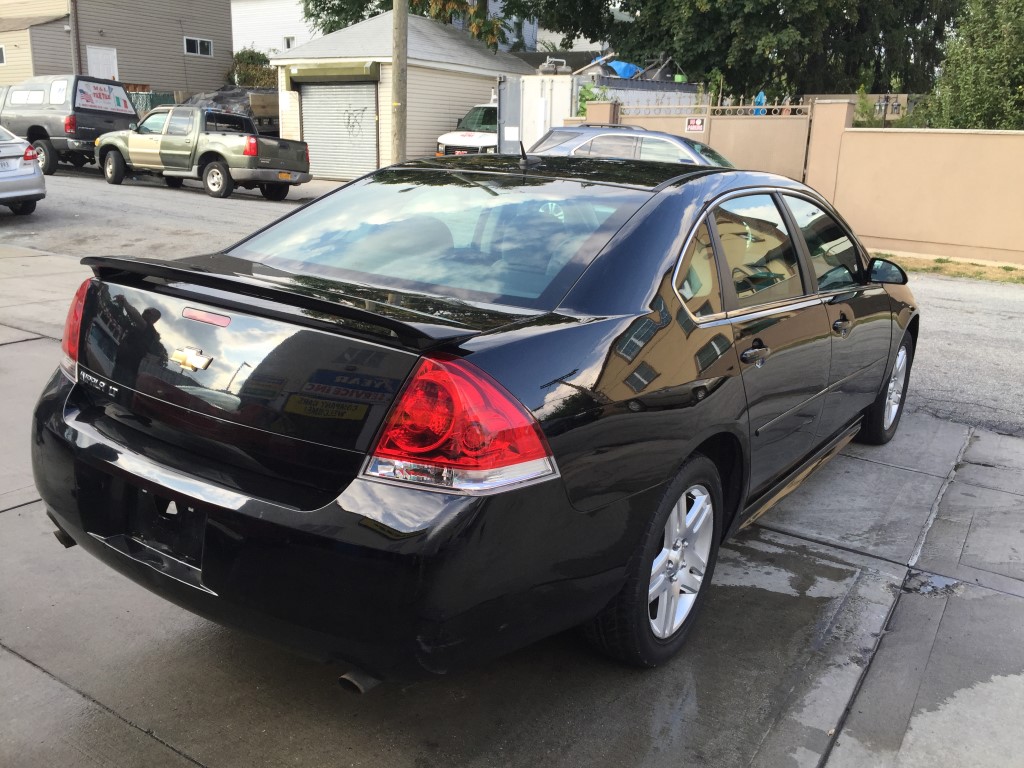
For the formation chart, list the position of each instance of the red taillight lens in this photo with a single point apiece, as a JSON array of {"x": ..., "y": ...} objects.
[
  {"x": 307, "y": 154},
  {"x": 252, "y": 147},
  {"x": 30, "y": 154},
  {"x": 453, "y": 427},
  {"x": 70, "y": 124},
  {"x": 72, "y": 329}
]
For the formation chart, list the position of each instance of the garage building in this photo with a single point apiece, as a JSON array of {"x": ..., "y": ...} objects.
[{"x": 336, "y": 91}]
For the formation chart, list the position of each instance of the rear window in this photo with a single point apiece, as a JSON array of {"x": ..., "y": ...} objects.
[
  {"x": 553, "y": 139},
  {"x": 710, "y": 155},
  {"x": 515, "y": 240}
]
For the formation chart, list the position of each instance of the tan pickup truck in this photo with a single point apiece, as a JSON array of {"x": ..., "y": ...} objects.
[{"x": 220, "y": 148}]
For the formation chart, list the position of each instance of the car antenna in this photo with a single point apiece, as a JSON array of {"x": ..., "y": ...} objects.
[{"x": 525, "y": 161}]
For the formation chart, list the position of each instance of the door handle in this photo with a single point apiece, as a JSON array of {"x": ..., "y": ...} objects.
[
  {"x": 756, "y": 355},
  {"x": 841, "y": 326}
]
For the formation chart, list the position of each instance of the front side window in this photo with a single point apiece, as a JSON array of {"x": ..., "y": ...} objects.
[
  {"x": 154, "y": 123},
  {"x": 833, "y": 255},
  {"x": 662, "y": 151},
  {"x": 697, "y": 278},
  {"x": 609, "y": 146},
  {"x": 759, "y": 253},
  {"x": 197, "y": 46}
]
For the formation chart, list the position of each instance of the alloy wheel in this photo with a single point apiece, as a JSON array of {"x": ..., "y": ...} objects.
[
  {"x": 894, "y": 396},
  {"x": 678, "y": 570}
]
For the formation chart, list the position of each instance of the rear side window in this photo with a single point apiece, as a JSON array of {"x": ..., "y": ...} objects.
[
  {"x": 759, "y": 253},
  {"x": 553, "y": 139},
  {"x": 609, "y": 146},
  {"x": 220, "y": 122},
  {"x": 180, "y": 123},
  {"x": 515, "y": 240},
  {"x": 697, "y": 277},
  {"x": 833, "y": 255},
  {"x": 20, "y": 96}
]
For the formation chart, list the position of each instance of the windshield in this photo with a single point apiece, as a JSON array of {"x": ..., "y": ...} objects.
[
  {"x": 504, "y": 239},
  {"x": 710, "y": 155},
  {"x": 483, "y": 119}
]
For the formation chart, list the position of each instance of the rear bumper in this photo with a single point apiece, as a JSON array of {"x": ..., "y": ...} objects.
[
  {"x": 398, "y": 581},
  {"x": 269, "y": 176},
  {"x": 16, "y": 189}
]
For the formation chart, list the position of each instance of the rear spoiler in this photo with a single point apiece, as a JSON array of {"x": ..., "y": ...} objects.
[{"x": 413, "y": 333}]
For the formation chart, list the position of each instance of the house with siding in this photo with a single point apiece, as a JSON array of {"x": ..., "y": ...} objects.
[
  {"x": 158, "y": 46},
  {"x": 336, "y": 91}
]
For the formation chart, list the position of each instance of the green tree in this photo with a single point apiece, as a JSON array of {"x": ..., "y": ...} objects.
[
  {"x": 982, "y": 80},
  {"x": 830, "y": 46},
  {"x": 328, "y": 16},
  {"x": 252, "y": 68}
]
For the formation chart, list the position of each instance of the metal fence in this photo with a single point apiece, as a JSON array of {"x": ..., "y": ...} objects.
[{"x": 146, "y": 100}]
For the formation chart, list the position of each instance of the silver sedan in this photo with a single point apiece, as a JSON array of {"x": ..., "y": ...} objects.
[{"x": 21, "y": 179}]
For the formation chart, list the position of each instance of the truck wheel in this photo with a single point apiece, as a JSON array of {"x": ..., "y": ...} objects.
[
  {"x": 113, "y": 167},
  {"x": 274, "y": 191},
  {"x": 217, "y": 180},
  {"x": 173, "y": 181},
  {"x": 24, "y": 208},
  {"x": 45, "y": 156}
]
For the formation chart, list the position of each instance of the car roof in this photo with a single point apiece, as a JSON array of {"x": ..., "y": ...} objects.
[
  {"x": 589, "y": 128},
  {"x": 628, "y": 173}
]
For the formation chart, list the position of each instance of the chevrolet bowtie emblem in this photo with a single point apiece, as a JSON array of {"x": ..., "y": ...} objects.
[{"x": 191, "y": 359}]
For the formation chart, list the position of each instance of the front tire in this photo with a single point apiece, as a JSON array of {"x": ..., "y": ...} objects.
[
  {"x": 667, "y": 579},
  {"x": 275, "y": 192},
  {"x": 45, "y": 156},
  {"x": 883, "y": 416},
  {"x": 217, "y": 181},
  {"x": 113, "y": 167},
  {"x": 23, "y": 208}
]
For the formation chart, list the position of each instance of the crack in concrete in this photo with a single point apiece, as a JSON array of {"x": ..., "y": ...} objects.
[
  {"x": 145, "y": 731},
  {"x": 934, "y": 512}
]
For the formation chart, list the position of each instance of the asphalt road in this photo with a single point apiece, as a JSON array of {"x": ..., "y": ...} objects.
[{"x": 967, "y": 368}]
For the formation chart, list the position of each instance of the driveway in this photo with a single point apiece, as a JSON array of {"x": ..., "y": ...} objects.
[{"x": 872, "y": 618}]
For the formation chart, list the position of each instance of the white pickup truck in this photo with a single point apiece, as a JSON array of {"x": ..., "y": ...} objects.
[{"x": 474, "y": 134}]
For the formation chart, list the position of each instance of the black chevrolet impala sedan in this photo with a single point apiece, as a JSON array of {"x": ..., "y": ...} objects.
[{"x": 462, "y": 404}]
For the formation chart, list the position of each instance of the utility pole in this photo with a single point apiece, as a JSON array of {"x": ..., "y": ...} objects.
[{"x": 399, "y": 78}]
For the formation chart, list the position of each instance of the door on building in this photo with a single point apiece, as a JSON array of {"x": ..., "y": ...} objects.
[
  {"x": 102, "y": 62},
  {"x": 339, "y": 122}
]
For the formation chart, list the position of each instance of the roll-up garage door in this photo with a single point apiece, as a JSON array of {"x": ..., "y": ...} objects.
[{"x": 339, "y": 122}]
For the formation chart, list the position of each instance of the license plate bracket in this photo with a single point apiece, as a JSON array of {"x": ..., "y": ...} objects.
[{"x": 174, "y": 528}]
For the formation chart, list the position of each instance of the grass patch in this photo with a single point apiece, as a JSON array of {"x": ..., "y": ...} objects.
[{"x": 1000, "y": 273}]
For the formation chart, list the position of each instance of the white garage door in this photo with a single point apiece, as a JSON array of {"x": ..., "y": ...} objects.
[{"x": 339, "y": 122}]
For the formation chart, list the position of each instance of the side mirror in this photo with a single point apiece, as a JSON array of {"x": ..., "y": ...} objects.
[
  {"x": 133, "y": 126},
  {"x": 884, "y": 271}
]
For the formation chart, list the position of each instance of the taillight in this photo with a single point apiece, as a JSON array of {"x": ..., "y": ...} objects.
[
  {"x": 252, "y": 147},
  {"x": 307, "y": 154},
  {"x": 72, "y": 329},
  {"x": 454, "y": 428},
  {"x": 70, "y": 124},
  {"x": 30, "y": 154}
]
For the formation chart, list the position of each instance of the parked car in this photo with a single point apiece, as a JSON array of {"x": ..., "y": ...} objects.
[
  {"x": 223, "y": 149},
  {"x": 461, "y": 404},
  {"x": 21, "y": 178},
  {"x": 474, "y": 134},
  {"x": 61, "y": 115},
  {"x": 626, "y": 142}
]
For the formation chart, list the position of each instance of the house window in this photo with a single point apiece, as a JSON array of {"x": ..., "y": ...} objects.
[
  {"x": 196, "y": 46},
  {"x": 641, "y": 377},
  {"x": 289, "y": 42},
  {"x": 642, "y": 330},
  {"x": 3, "y": 55}
]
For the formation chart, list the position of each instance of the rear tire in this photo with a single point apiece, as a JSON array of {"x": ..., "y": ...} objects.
[
  {"x": 217, "y": 181},
  {"x": 275, "y": 192},
  {"x": 882, "y": 418},
  {"x": 174, "y": 182},
  {"x": 668, "y": 577},
  {"x": 24, "y": 208},
  {"x": 113, "y": 167},
  {"x": 45, "y": 156}
]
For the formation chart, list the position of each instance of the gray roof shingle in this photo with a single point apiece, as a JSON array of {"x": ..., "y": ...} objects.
[{"x": 429, "y": 41}]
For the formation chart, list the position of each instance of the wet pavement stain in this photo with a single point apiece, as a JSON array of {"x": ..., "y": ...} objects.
[{"x": 931, "y": 585}]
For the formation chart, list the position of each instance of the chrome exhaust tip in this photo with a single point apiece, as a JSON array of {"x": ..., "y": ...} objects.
[{"x": 357, "y": 681}]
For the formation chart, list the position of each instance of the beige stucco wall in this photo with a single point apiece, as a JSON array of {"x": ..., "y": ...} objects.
[
  {"x": 831, "y": 119},
  {"x": 943, "y": 193},
  {"x": 17, "y": 55}
]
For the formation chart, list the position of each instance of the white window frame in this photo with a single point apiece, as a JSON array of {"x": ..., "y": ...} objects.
[
  {"x": 199, "y": 41},
  {"x": 289, "y": 42}
]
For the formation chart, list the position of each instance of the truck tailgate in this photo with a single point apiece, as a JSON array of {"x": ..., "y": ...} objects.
[{"x": 282, "y": 154}]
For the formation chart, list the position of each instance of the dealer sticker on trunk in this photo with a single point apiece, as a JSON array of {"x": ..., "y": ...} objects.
[{"x": 318, "y": 408}]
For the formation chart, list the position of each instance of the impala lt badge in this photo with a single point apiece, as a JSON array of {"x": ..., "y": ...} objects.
[{"x": 191, "y": 359}]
